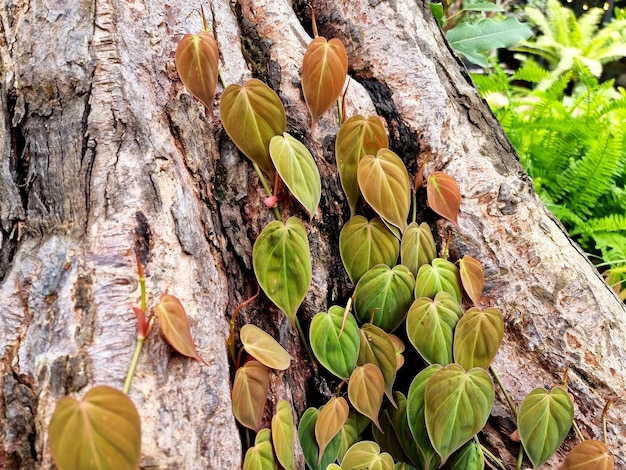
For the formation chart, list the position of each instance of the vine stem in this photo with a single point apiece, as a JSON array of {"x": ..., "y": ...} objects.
[
  {"x": 306, "y": 345},
  {"x": 133, "y": 365},
  {"x": 506, "y": 394},
  {"x": 496, "y": 461},
  {"x": 520, "y": 457},
  {"x": 233, "y": 319},
  {"x": 141, "y": 335},
  {"x": 268, "y": 190}
]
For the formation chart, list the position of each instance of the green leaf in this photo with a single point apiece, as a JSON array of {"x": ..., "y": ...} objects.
[
  {"x": 329, "y": 422},
  {"x": 282, "y": 264},
  {"x": 428, "y": 458},
  {"x": 298, "y": 170},
  {"x": 250, "y": 387},
  {"x": 417, "y": 247},
  {"x": 543, "y": 421},
  {"x": 306, "y": 436},
  {"x": 472, "y": 40},
  {"x": 387, "y": 439},
  {"x": 324, "y": 71},
  {"x": 384, "y": 183},
  {"x": 472, "y": 277},
  {"x": 378, "y": 349},
  {"x": 482, "y": 6},
  {"x": 444, "y": 196},
  {"x": 457, "y": 405},
  {"x": 251, "y": 115},
  {"x": 430, "y": 327},
  {"x": 400, "y": 423},
  {"x": 282, "y": 435},
  {"x": 349, "y": 434},
  {"x": 468, "y": 457},
  {"x": 589, "y": 455},
  {"x": 356, "y": 138},
  {"x": 335, "y": 343},
  {"x": 261, "y": 456},
  {"x": 365, "y": 455},
  {"x": 264, "y": 348},
  {"x": 383, "y": 296},
  {"x": 365, "y": 390},
  {"x": 477, "y": 337},
  {"x": 101, "y": 432},
  {"x": 437, "y": 10},
  {"x": 439, "y": 276},
  {"x": 197, "y": 63},
  {"x": 363, "y": 244}
]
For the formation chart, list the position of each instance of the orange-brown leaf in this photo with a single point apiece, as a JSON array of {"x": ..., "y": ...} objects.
[
  {"x": 366, "y": 388},
  {"x": 329, "y": 422},
  {"x": 252, "y": 381},
  {"x": 472, "y": 277},
  {"x": 175, "y": 326},
  {"x": 324, "y": 71},
  {"x": 197, "y": 61},
  {"x": 444, "y": 196},
  {"x": 589, "y": 455}
]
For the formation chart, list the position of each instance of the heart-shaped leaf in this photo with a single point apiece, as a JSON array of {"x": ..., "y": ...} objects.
[
  {"x": 329, "y": 422},
  {"x": 468, "y": 457},
  {"x": 264, "y": 348},
  {"x": 400, "y": 423},
  {"x": 282, "y": 264},
  {"x": 472, "y": 277},
  {"x": 366, "y": 388},
  {"x": 197, "y": 62},
  {"x": 261, "y": 456},
  {"x": 175, "y": 326},
  {"x": 417, "y": 247},
  {"x": 298, "y": 170},
  {"x": 383, "y": 296},
  {"x": 377, "y": 348},
  {"x": 387, "y": 439},
  {"x": 250, "y": 387},
  {"x": 543, "y": 421},
  {"x": 428, "y": 458},
  {"x": 363, "y": 244},
  {"x": 589, "y": 455},
  {"x": 335, "y": 342},
  {"x": 444, "y": 196},
  {"x": 251, "y": 115},
  {"x": 356, "y": 138},
  {"x": 399, "y": 347},
  {"x": 384, "y": 183},
  {"x": 457, "y": 405},
  {"x": 477, "y": 337},
  {"x": 430, "y": 327},
  {"x": 282, "y": 435},
  {"x": 101, "y": 432},
  {"x": 349, "y": 434},
  {"x": 365, "y": 455},
  {"x": 439, "y": 276},
  {"x": 306, "y": 435},
  {"x": 324, "y": 71}
]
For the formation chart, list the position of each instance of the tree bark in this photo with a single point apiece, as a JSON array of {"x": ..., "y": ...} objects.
[{"x": 105, "y": 154}]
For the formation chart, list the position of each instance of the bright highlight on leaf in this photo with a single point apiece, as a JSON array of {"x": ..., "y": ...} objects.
[
  {"x": 264, "y": 348},
  {"x": 366, "y": 388},
  {"x": 261, "y": 456},
  {"x": 251, "y": 115},
  {"x": 102, "y": 431},
  {"x": 444, "y": 196},
  {"x": 365, "y": 455},
  {"x": 282, "y": 435},
  {"x": 589, "y": 455},
  {"x": 472, "y": 277},
  {"x": 440, "y": 275},
  {"x": 329, "y": 422},
  {"x": 282, "y": 264},
  {"x": 175, "y": 326},
  {"x": 324, "y": 71},
  {"x": 197, "y": 62},
  {"x": 250, "y": 387}
]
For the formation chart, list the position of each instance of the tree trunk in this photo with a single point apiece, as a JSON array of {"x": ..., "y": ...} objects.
[{"x": 105, "y": 154}]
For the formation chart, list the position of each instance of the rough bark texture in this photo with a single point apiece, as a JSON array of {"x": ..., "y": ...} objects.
[{"x": 104, "y": 154}]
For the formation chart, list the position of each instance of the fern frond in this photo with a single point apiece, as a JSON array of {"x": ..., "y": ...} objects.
[
  {"x": 531, "y": 72},
  {"x": 608, "y": 223}
]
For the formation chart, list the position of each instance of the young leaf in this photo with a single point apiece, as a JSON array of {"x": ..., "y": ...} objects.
[
  {"x": 365, "y": 455},
  {"x": 251, "y": 115},
  {"x": 383, "y": 296},
  {"x": 102, "y": 431},
  {"x": 457, "y": 405},
  {"x": 298, "y": 170},
  {"x": 336, "y": 350},
  {"x": 264, "y": 348},
  {"x": 439, "y": 276},
  {"x": 306, "y": 436},
  {"x": 324, "y": 71},
  {"x": 430, "y": 327},
  {"x": 250, "y": 387},
  {"x": 377, "y": 348},
  {"x": 444, "y": 196},
  {"x": 261, "y": 456},
  {"x": 472, "y": 277},
  {"x": 417, "y": 247},
  {"x": 365, "y": 391},
  {"x": 468, "y": 457},
  {"x": 363, "y": 244},
  {"x": 329, "y": 422},
  {"x": 282, "y": 264},
  {"x": 399, "y": 347},
  {"x": 543, "y": 421},
  {"x": 477, "y": 337},
  {"x": 282, "y": 435},
  {"x": 197, "y": 62},
  {"x": 384, "y": 183},
  {"x": 589, "y": 455},
  {"x": 175, "y": 326},
  {"x": 356, "y": 138}
]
